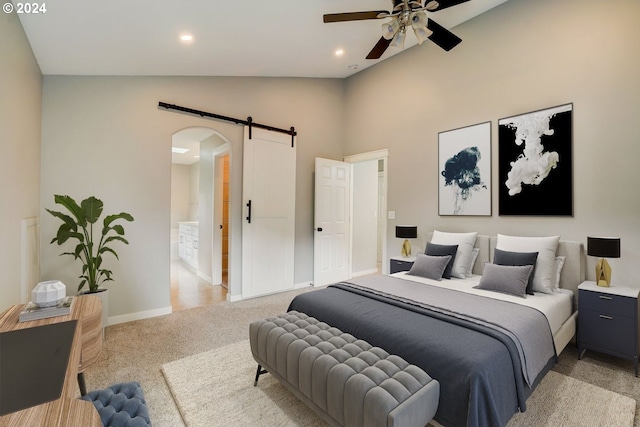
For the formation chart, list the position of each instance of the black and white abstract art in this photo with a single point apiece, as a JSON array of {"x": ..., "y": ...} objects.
[
  {"x": 464, "y": 169},
  {"x": 535, "y": 163}
]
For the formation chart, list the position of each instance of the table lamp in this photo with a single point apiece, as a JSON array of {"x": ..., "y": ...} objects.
[
  {"x": 406, "y": 232},
  {"x": 603, "y": 247}
]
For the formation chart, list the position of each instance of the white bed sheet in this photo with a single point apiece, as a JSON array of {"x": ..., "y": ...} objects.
[{"x": 557, "y": 307}]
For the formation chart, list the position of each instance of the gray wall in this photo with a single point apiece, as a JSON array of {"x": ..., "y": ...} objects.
[
  {"x": 20, "y": 125},
  {"x": 519, "y": 57},
  {"x": 105, "y": 136}
]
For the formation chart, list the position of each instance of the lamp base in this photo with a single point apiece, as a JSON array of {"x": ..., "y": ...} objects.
[
  {"x": 603, "y": 273},
  {"x": 406, "y": 248}
]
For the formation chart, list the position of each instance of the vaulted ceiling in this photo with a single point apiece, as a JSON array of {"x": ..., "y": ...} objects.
[{"x": 279, "y": 38}]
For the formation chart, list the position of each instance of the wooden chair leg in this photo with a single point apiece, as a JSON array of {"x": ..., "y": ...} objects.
[{"x": 81, "y": 384}]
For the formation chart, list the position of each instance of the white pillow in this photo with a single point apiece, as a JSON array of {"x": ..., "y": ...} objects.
[
  {"x": 559, "y": 263},
  {"x": 465, "y": 242},
  {"x": 472, "y": 262},
  {"x": 544, "y": 274}
]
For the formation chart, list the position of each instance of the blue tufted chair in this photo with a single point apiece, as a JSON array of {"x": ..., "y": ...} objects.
[{"x": 120, "y": 405}]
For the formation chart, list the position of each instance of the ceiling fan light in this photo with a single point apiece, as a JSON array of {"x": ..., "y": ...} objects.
[
  {"x": 422, "y": 34},
  {"x": 418, "y": 20},
  {"x": 389, "y": 29},
  {"x": 398, "y": 39}
]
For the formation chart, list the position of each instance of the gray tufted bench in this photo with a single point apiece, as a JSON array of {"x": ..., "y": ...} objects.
[{"x": 343, "y": 379}]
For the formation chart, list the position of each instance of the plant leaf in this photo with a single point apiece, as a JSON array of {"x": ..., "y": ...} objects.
[
  {"x": 92, "y": 209},
  {"x": 81, "y": 285},
  {"x": 112, "y": 238},
  {"x": 110, "y": 218},
  {"x": 65, "y": 218},
  {"x": 72, "y": 206},
  {"x": 118, "y": 229},
  {"x": 107, "y": 249}
]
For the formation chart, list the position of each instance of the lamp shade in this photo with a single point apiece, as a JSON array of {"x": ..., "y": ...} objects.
[
  {"x": 406, "y": 231},
  {"x": 604, "y": 247},
  {"x": 389, "y": 29},
  {"x": 398, "y": 38}
]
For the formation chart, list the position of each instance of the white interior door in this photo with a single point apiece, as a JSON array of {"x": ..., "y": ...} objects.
[
  {"x": 332, "y": 221},
  {"x": 268, "y": 231}
]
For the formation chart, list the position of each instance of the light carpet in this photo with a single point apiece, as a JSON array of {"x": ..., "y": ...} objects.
[{"x": 215, "y": 388}]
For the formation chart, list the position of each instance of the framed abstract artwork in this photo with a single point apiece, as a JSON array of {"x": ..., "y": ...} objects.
[
  {"x": 464, "y": 170},
  {"x": 535, "y": 163}
]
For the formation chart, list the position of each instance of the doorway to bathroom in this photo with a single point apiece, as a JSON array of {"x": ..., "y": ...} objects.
[{"x": 199, "y": 217}]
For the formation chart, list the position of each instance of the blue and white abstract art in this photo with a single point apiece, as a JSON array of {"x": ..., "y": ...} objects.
[{"x": 464, "y": 168}]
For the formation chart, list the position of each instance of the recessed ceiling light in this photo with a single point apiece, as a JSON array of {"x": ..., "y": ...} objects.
[
  {"x": 179, "y": 150},
  {"x": 186, "y": 38},
  {"x": 339, "y": 52}
]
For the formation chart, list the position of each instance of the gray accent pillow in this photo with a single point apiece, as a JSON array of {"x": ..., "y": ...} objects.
[
  {"x": 443, "y": 250},
  {"x": 517, "y": 258},
  {"x": 431, "y": 267},
  {"x": 507, "y": 279}
]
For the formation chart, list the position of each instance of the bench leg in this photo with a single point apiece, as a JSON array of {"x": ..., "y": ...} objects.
[{"x": 259, "y": 372}]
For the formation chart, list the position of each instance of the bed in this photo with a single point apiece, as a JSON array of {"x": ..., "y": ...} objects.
[{"x": 455, "y": 332}]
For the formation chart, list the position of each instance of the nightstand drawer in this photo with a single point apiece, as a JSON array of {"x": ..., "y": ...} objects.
[
  {"x": 608, "y": 303},
  {"x": 601, "y": 331}
]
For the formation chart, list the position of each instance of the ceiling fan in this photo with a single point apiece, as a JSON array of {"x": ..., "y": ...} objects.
[{"x": 405, "y": 13}]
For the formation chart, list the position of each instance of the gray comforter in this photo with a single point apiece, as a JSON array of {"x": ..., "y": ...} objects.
[{"x": 487, "y": 354}]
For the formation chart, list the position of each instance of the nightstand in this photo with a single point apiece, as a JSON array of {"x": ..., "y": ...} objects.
[
  {"x": 608, "y": 320},
  {"x": 400, "y": 263}
]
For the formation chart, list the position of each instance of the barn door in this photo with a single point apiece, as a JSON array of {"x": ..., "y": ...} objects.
[{"x": 268, "y": 231}]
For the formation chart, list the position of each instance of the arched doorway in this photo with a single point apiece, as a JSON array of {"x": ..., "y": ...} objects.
[{"x": 200, "y": 184}]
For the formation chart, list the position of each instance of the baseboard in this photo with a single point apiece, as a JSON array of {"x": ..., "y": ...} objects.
[
  {"x": 365, "y": 272},
  {"x": 204, "y": 277},
  {"x": 302, "y": 285},
  {"x": 114, "y": 320},
  {"x": 234, "y": 298}
]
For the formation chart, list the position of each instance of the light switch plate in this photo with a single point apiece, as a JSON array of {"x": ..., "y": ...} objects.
[{"x": 391, "y": 215}]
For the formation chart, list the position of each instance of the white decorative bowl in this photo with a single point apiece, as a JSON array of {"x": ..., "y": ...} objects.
[{"x": 49, "y": 293}]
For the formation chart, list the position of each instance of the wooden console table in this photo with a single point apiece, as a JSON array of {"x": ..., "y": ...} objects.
[{"x": 86, "y": 347}]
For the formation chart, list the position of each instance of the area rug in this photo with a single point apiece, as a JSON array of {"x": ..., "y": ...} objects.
[{"x": 215, "y": 388}]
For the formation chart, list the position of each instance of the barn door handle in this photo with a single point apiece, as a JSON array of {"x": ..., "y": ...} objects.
[{"x": 249, "y": 213}]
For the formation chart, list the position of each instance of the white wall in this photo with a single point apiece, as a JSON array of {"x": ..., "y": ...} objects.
[
  {"x": 20, "y": 126},
  {"x": 106, "y": 136},
  {"x": 519, "y": 57},
  {"x": 194, "y": 191},
  {"x": 365, "y": 221},
  {"x": 180, "y": 175}
]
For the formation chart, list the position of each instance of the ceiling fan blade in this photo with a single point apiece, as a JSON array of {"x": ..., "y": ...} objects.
[
  {"x": 436, "y": 5},
  {"x": 441, "y": 36},
  {"x": 379, "y": 48},
  {"x": 352, "y": 16}
]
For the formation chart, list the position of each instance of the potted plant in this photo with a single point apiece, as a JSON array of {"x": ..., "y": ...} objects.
[{"x": 79, "y": 226}]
